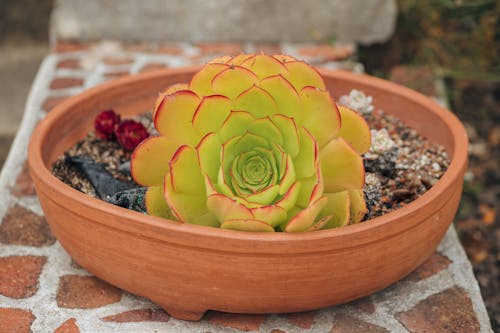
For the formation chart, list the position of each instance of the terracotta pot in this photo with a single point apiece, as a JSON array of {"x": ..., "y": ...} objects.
[{"x": 189, "y": 269}]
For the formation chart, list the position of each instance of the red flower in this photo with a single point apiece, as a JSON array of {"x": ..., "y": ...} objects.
[
  {"x": 130, "y": 133},
  {"x": 106, "y": 123}
]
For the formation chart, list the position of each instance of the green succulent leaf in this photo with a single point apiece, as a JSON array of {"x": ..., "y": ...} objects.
[
  {"x": 155, "y": 150},
  {"x": 285, "y": 96},
  {"x": 357, "y": 208},
  {"x": 185, "y": 173},
  {"x": 156, "y": 204},
  {"x": 235, "y": 124},
  {"x": 354, "y": 130},
  {"x": 338, "y": 208},
  {"x": 233, "y": 81},
  {"x": 257, "y": 101},
  {"x": 247, "y": 225},
  {"x": 306, "y": 160},
  {"x": 201, "y": 83},
  {"x": 320, "y": 114},
  {"x": 341, "y": 166},
  {"x": 209, "y": 155},
  {"x": 289, "y": 132},
  {"x": 306, "y": 217},
  {"x": 263, "y": 65},
  {"x": 177, "y": 125},
  {"x": 301, "y": 75},
  {"x": 211, "y": 113}
]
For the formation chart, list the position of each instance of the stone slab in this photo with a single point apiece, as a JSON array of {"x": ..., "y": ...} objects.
[{"x": 360, "y": 21}]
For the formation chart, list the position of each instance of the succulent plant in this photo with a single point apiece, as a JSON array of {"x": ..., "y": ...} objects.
[
  {"x": 254, "y": 143},
  {"x": 106, "y": 123},
  {"x": 130, "y": 134}
]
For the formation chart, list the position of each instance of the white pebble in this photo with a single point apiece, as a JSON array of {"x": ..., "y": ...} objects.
[
  {"x": 357, "y": 101},
  {"x": 436, "y": 167}
]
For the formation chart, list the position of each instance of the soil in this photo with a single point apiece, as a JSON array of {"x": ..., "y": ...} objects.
[{"x": 401, "y": 165}]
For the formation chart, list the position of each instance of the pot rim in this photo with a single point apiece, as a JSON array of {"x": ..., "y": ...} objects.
[{"x": 214, "y": 238}]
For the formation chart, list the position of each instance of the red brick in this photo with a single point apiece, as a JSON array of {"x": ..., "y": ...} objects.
[
  {"x": 220, "y": 48},
  {"x": 115, "y": 75},
  {"x": 52, "y": 102},
  {"x": 198, "y": 58},
  {"x": 19, "y": 275},
  {"x": 65, "y": 82},
  {"x": 169, "y": 49},
  {"x": 153, "y": 66},
  {"x": 69, "y": 64},
  {"x": 24, "y": 184},
  {"x": 436, "y": 263},
  {"x": 85, "y": 292},
  {"x": 348, "y": 324},
  {"x": 324, "y": 53},
  {"x": 139, "y": 47},
  {"x": 62, "y": 47},
  {"x": 69, "y": 326},
  {"x": 242, "y": 322},
  {"x": 420, "y": 78},
  {"x": 15, "y": 320},
  {"x": 448, "y": 311},
  {"x": 268, "y": 48},
  {"x": 138, "y": 315},
  {"x": 115, "y": 61},
  {"x": 302, "y": 319},
  {"x": 364, "y": 304},
  {"x": 21, "y": 226}
]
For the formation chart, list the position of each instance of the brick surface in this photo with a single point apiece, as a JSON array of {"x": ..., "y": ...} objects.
[
  {"x": 115, "y": 61},
  {"x": 15, "y": 320},
  {"x": 65, "y": 82},
  {"x": 69, "y": 64},
  {"x": 348, "y": 324},
  {"x": 168, "y": 49},
  {"x": 145, "y": 47},
  {"x": 24, "y": 184},
  {"x": 19, "y": 275},
  {"x": 69, "y": 326},
  {"x": 21, "y": 226},
  {"x": 115, "y": 75},
  {"x": 364, "y": 304},
  {"x": 85, "y": 292},
  {"x": 220, "y": 48},
  {"x": 63, "y": 47},
  {"x": 268, "y": 48},
  {"x": 303, "y": 320},
  {"x": 153, "y": 66},
  {"x": 324, "y": 53},
  {"x": 52, "y": 102},
  {"x": 242, "y": 322},
  {"x": 447, "y": 311},
  {"x": 138, "y": 315},
  {"x": 436, "y": 263}
]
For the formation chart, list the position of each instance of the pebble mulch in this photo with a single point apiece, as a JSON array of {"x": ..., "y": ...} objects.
[{"x": 400, "y": 166}]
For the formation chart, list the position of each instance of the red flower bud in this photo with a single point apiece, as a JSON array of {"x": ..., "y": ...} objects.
[
  {"x": 105, "y": 124},
  {"x": 130, "y": 133}
]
